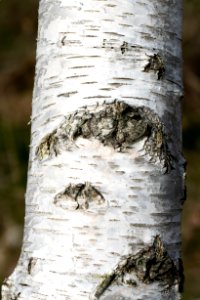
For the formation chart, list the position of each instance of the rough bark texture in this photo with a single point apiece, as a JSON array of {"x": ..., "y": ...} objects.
[{"x": 106, "y": 174}]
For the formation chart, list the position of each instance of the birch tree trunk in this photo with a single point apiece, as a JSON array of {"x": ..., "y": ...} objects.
[{"x": 106, "y": 174}]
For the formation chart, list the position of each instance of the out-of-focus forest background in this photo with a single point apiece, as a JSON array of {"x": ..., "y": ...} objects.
[{"x": 18, "y": 30}]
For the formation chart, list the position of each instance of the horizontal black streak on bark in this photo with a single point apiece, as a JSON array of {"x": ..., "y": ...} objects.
[
  {"x": 143, "y": 225},
  {"x": 114, "y": 33},
  {"x": 76, "y": 76},
  {"x": 122, "y": 78},
  {"x": 81, "y": 67},
  {"x": 126, "y": 25},
  {"x": 89, "y": 82},
  {"x": 97, "y": 96},
  {"x": 115, "y": 124},
  {"x": 166, "y": 214},
  {"x": 68, "y": 94}
]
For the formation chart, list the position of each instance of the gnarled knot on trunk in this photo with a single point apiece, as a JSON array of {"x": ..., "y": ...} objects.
[
  {"x": 149, "y": 265},
  {"x": 82, "y": 196},
  {"x": 115, "y": 124}
]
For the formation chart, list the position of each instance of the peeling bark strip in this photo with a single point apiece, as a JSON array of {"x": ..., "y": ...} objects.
[
  {"x": 147, "y": 266},
  {"x": 114, "y": 124},
  {"x": 156, "y": 64},
  {"x": 79, "y": 196}
]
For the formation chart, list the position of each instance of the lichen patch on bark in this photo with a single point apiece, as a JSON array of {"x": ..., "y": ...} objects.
[
  {"x": 115, "y": 124},
  {"x": 83, "y": 196},
  {"x": 151, "y": 264}
]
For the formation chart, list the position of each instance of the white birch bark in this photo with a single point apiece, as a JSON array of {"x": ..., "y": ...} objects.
[{"x": 106, "y": 177}]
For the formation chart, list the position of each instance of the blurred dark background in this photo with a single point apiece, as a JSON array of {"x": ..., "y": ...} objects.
[{"x": 18, "y": 29}]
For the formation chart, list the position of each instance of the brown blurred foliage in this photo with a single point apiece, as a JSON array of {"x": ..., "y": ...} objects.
[
  {"x": 18, "y": 28},
  {"x": 191, "y": 143}
]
